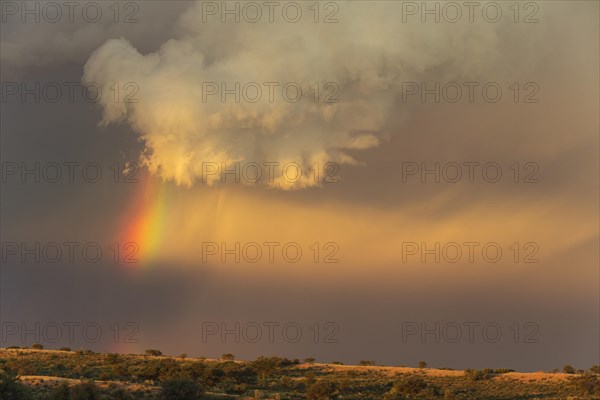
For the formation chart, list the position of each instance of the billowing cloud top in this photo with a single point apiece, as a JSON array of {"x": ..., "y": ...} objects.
[{"x": 223, "y": 95}]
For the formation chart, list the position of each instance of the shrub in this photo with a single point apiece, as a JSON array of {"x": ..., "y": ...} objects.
[
  {"x": 227, "y": 357},
  {"x": 409, "y": 387},
  {"x": 37, "y": 346},
  {"x": 587, "y": 384},
  {"x": 475, "y": 375},
  {"x": 595, "y": 369},
  {"x": 337, "y": 363},
  {"x": 265, "y": 366},
  {"x": 10, "y": 386},
  {"x": 322, "y": 390},
  {"x": 286, "y": 382},
  {"x": 567, "y": 369},
  {"x": 366, "y": 363},
  {"x": 422, "y": 364},
  {"x": 153, "y": 352},
  {"x": 309, "y": 379},
  {"x": 503, "y": 370},
  {"x": 65, "y": 349},
  {"x": 180, "y": 389},
  {"x": 118, "y": 393},
  {"x": 61, "y": 392},
  {"x": 183, "y": 355},
  {"x": 85, "y": 391},
  {"x": 309, "y": 360}
]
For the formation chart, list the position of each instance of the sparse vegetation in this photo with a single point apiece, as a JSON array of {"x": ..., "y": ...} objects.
[{"x": 85, "y": 375}]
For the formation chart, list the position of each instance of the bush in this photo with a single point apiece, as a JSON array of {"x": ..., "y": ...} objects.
[
  {"x": 366, "y": 363},
  {"x": 180, "y": 389},
  {"x": 503, "y": 370},
  {"x": 567, "y": 369},
  {"x": 61, "y": 392},
  {"x": 10, "y": 386},
  {"x": 411, "y": 387},
  {"x": 227, "y": 357},
  {"x": 183, "y": 355},
  {"x": 422, "y": 364},
  {"x": 118, "y": 393},
  {"x": 587, "y": 384},
  {"x": 322, "y": 390},
  {"x": 309, "y": 360},
  {"x": 475, "y": 375},
  {"x": 65, "y": 349},
  {"x": 309, "y": 379},
  {"x": 265, "y": 366},
  {"x": 85, "y": 391},
  {"x": 595, "y": 369},
  {"x": 37, "y": 346},
  {"x": 154, "y": 353}
]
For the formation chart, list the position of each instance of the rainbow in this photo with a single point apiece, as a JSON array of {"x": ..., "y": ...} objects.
[{"x": 143, "y": 222}]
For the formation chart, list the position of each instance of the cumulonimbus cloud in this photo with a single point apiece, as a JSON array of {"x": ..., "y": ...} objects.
[{"x": 359, "y": 65}]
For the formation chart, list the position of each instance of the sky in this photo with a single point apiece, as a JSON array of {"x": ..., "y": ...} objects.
[{"x": 387, "y": 181}]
